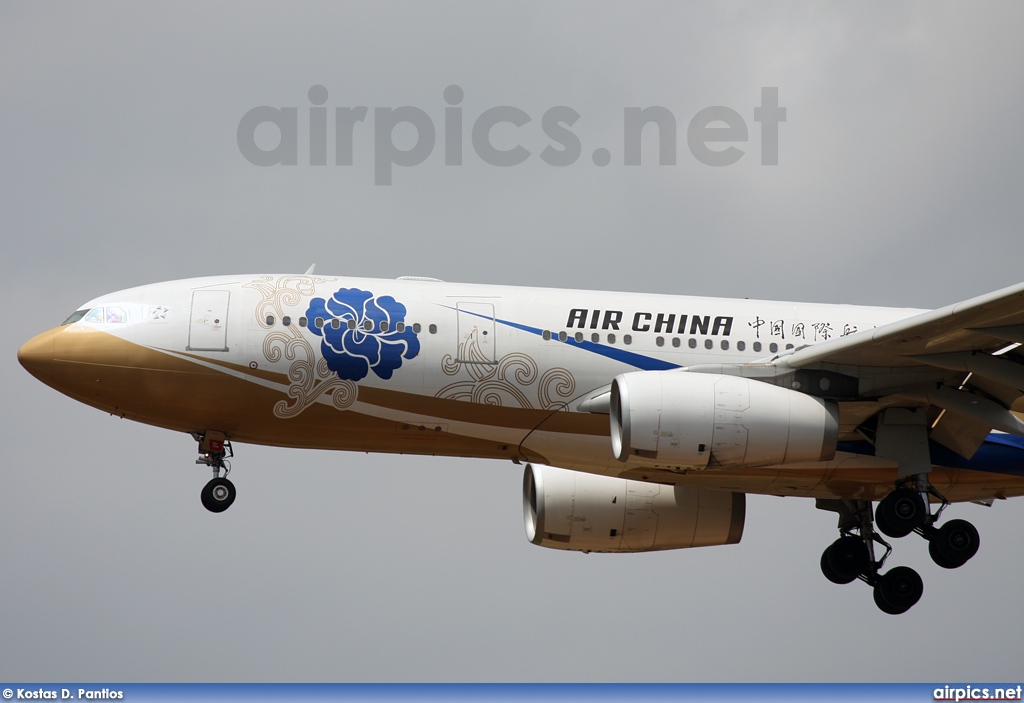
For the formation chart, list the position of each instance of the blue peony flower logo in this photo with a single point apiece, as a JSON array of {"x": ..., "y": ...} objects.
[{"x": 362, "y": 333}]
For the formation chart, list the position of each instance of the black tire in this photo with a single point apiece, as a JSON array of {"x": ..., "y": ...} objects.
[
  {"x": 848, "y": 557},
  {"x": 954, "y": 544},
  {"x": 832, "y": 575},
  {"x": 883, "y": 606},
  {"x": 881, "y": 523},
  {"x": 901, "y": 512},
  {"x": 938, "y": 557},
  {"x": 218, "y": 495},
  {"x": 900, "y": 588}
]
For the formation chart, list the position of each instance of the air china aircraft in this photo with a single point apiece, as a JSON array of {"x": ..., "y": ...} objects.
[{"x": 642, "y": 420}]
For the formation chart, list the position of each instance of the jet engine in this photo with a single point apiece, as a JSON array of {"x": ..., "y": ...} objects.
[
  {"x": 681, "y": 420},
  {"x": 588, "y": 513}
]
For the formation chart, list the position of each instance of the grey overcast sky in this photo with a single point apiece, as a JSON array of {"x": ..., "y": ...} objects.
[{"x": 901, "y": 168}]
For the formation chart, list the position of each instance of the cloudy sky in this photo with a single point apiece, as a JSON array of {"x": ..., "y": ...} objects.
[{"x": 900, "y": 168}]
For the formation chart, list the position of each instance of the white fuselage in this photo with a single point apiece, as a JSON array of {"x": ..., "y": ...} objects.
[{"x": 427, "y": 367}]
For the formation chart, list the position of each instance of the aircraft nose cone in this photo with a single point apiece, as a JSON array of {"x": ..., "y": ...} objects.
[{"x": 36, "y": 355}]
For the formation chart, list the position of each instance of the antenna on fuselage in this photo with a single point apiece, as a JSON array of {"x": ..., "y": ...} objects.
[{"x": 310, "y": 271}]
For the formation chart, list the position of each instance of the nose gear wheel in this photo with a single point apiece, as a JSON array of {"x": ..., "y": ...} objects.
[{"x": 219, "y": 493}]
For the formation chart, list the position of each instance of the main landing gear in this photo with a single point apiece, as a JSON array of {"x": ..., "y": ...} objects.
[
  {"x": 219, "y": 493},
  {"x": 903, "y": 511}
]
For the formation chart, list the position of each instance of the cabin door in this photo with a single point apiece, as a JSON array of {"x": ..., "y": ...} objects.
[
  {"x": 476, "y": 333},
  {"x": 208, "y": 323}
]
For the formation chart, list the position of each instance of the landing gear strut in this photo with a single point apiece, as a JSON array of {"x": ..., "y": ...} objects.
[{"x": 219, "y": 493}]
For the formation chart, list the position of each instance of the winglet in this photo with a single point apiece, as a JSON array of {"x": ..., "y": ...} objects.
[{"x": 310, "y": 271}]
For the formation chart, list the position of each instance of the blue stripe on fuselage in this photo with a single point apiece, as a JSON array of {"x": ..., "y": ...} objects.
[{"x": 640, "y": 361}]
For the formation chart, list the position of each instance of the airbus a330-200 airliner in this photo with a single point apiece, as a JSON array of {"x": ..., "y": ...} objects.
[{"x": 642, "y": 420}]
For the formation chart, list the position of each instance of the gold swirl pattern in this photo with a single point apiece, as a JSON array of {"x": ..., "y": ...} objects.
[
  {"x": 308, "y": 375},
  {"x": 505, "y": 383}
]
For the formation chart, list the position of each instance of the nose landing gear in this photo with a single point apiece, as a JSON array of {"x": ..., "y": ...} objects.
[{"x": 214, "y": 449}]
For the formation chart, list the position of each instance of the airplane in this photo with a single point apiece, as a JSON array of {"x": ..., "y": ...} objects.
[{"x": 642, "y": 421}]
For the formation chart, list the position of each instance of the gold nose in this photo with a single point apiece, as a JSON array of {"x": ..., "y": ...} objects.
[{"x": 36, "y": 355}]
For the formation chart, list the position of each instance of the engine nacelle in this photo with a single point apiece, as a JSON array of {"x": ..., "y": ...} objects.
[
  {"x": 589, "y": 513},
  {"x": 675, "y": 419}
]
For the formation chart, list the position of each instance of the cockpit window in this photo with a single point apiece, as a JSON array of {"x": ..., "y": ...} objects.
[
  {"x": 75, "y": 317},
  {"x": 116, "y": 315},
  {"x": 110, "y": 314}
]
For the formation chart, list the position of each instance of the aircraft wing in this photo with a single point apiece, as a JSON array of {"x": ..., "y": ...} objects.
[
  {"x": 986, "y": 323},
  {"x": 957, "y": 360}
]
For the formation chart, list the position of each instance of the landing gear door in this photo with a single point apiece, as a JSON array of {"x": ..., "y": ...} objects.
[
  {"x": 208, "y": 323},
  {"x": 476, "y": 333}
]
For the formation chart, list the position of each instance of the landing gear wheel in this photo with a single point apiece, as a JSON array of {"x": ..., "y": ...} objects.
[
  {"x": 218, "y": 495},
  {"x": 832, "y": 575},
  {"x": 883, "y": 606},
  {"x": 898, "y": 590},
  {"x": 847, "y": 557},
  {"x": 901, "y": 512},
  {"x": 954, "y": 544}
]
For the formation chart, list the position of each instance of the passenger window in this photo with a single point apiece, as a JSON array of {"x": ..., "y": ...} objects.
[
  {"x": 433, "y": 329},
  {"x": 741, "y": 345},
  {"x": 416, "y": 328},
  {"x": 708, "y": 344},
  {"x": 351, "y": 324},
  {"x": 773, "y": 347},
  {"x": 660, "y": 341},
  {"x": 384, "y": 326},
  {"x": 595, "y": 338},
  {"x": 302, "y": 321},
  {"x": 578, "y": 336},
  {"x": 286, "y": 321},
  {"x": 627, "y": 339},
  {"x": 400, "y": 327},
  {"x": 725, "y": 345},
  {"x": 611, "y": 339},
  {"x": 270, "y": 320},
  {"x": 368, "y": 325},
  {"x": 692, "y": 343},
  {"x": 319, "y": 322},
  {"x": 336, "y": 324},
  {"x": 757, "y": 346},
  {"x": 546, "y": 335},
  {"x": 562, "y": 336},
  {"x": 676, "y": 342}
]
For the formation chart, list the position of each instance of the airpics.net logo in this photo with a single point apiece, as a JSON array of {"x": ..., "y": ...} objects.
[{"x": 715, "y": 136}]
